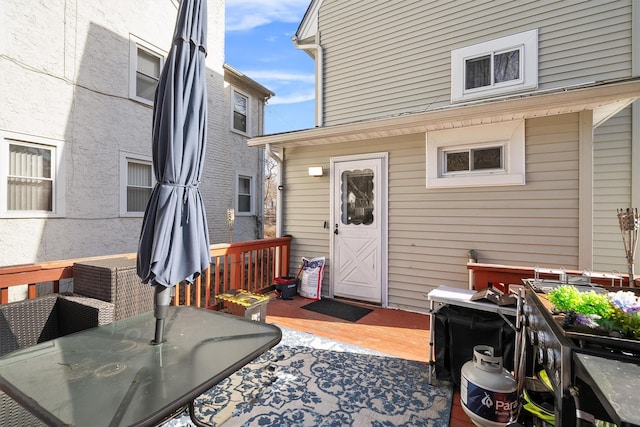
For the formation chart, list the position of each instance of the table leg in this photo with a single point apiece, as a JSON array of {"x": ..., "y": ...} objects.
[
  {"x": 431, "y": 341},
  {"x": 192, "y": 415}
]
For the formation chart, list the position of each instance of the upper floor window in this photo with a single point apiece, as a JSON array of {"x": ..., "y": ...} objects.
[
  {"x": 245, "y": 195},
  {"x": 32, "y": 182},
  {"x": 145, "y": 66},
  {"x": 240, "y": 107},
  {"x": 495, "y": 67},
  {"x": 473, "y": 156},
  {"x": 136, "y": 183}
]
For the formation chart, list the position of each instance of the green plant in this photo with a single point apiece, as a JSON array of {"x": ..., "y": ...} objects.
[
  {"x": 565, "y": 298},
  {"x": 569, "y": 298},
  {"x": 626, "y": 324},
  {"x": 597, "y": 310}
]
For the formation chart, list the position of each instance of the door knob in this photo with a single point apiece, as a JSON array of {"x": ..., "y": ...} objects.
[{"x": 336, "y": 230}]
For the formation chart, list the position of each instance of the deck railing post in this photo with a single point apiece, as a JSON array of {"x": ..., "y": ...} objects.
[
  {"x": 207, "y": 287},
  {"x": 236, "y": 270},
  {"x": 286, "y": 249}
]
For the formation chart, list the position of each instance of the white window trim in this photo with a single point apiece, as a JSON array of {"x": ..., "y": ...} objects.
[
  {"x": 253, "y": 193},
  {"x": 508, "y": 134},
  {"x": 134, "y": 44},
  {"x": 125, "y": 158},
  {"x": 58, "y": 174},
  {"x": 526, "y": 41},
  {"x": 232, "y": 107}
]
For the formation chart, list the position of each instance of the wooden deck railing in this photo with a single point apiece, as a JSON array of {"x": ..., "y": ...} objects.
[
  {"x": 250, "y": 265},
  {"x": 500, "y": 276}
]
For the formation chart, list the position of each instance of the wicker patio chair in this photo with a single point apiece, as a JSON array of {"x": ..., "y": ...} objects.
[
  {"x": 29, "y": 322},
  {"x": 114, "y": 280}
]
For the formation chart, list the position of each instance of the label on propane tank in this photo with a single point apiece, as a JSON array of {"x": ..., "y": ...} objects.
[{"x": 496, "y": 406}]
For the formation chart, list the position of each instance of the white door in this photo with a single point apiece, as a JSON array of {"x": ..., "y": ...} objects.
[{"x": 359, "y": 218}]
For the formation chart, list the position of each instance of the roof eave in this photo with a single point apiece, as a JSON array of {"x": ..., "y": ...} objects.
[
  {"x": 604, "y": 99},
  {"x": 248, "y": 81}
]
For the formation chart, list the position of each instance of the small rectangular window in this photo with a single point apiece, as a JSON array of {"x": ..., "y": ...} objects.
[
  {"x": 145, "y": 66},
  {"x": 245, "y": 187},
  {"x": 147, "y": 74},
  {"x": 240, "y": 111},
  {"x": 136, "y": 183},
  {"x": 139, "y": 186},
  {"x": 490, "y": 70},
  {"x": 473, "y": 159},
  {"x": 495, "y": 67},
  {"x": 476, "y": 156},
  {"x": 30, "y": 178}
]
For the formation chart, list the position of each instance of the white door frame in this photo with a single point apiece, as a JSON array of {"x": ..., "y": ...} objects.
[{"x": 383, "y": 212}]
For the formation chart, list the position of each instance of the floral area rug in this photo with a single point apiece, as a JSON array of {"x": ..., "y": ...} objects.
[{"x": 312, "y": 381}]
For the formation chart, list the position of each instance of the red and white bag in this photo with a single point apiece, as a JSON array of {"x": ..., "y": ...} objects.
[{"x": 311, "y": 277}]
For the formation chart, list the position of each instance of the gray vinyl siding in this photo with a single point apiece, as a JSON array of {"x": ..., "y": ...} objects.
[
  {"x": 611, "y": 190},
  {"x": 306, "y": 205},
  {"x": 431, "y": 231},
  {"x": 393, "y": 57}
]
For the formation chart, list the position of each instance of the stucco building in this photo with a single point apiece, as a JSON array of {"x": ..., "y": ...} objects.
[{"x": 77, "y": 81}]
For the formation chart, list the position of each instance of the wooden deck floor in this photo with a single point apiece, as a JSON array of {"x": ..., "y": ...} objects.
[{"x": 394, "y": 332}]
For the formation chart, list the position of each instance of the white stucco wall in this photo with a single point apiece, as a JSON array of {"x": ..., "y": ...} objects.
[{"x": 65, "y": 76}]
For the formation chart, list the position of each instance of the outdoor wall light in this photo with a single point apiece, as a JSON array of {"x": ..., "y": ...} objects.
[{"x": 316, "y": 171}]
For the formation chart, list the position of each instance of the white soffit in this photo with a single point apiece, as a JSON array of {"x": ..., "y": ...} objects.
[{"x": 604, "y": 100}]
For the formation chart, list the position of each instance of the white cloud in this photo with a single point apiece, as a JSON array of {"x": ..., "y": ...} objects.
[
  {"x": 248, "y": 14},
  {"x": 279, "y": 76},
  {"x": 290, "y": 88},
  {"x": 293, "y": 98}
]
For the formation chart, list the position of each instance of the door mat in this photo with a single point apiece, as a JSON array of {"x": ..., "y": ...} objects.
[{"x": 338, "y": 309}]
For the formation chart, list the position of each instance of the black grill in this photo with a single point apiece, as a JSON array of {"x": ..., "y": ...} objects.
[{"x": 554, "y": 348}]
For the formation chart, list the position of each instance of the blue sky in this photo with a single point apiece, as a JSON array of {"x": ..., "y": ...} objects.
[{"x": 258, "y": 44}]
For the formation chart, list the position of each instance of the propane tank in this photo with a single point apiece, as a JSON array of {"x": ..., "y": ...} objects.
[{"x": 488, "y": 392}]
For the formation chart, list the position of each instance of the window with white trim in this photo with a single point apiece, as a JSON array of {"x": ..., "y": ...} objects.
[
  {"x": 145, "y": 66},
  {"x": 508, "y": 64},
  {"x": 480, "y": 158},
  {"x": 244, "y": 198},
  {"x": 32, "y": 176},
  {"x": 136, "y": 183},
  {"x": 240, "y": 111},
  {"x": 483, "y": 155}
]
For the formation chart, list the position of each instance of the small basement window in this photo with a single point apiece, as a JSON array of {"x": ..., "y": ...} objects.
[
  {"x": 467, "y": 160},
  {"x": 475, "y": 156}
]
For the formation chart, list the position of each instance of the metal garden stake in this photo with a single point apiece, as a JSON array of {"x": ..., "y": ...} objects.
[
  {"x": 629, "y": 219},
  {"x": 230, "y": 220}
]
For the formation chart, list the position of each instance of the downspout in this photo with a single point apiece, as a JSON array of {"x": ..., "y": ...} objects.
[
  {"x": 261, "y": 165},
  {"x": 319, "y": 75},
  {"x": 280, "y": 187}
]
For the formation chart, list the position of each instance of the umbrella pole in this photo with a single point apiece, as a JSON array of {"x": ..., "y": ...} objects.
[{"x": 161, "y": 300}]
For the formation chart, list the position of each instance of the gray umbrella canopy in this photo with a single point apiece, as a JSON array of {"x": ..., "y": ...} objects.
[{"x": 174, "y": 241}]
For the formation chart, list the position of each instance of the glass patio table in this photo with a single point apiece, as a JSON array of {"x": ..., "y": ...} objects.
[{"x": 113, "y": 376}]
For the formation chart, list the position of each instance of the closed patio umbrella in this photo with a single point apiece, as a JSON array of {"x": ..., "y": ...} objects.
[{"x": 174, "y": 241}]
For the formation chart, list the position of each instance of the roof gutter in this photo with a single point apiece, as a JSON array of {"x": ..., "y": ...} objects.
[{"x": 319, "y": 74}]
